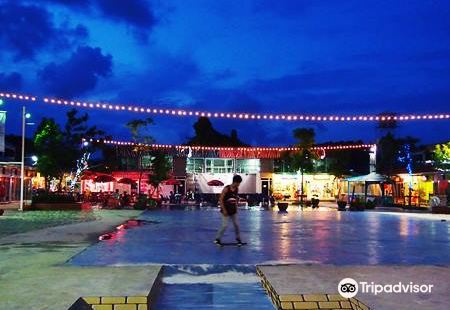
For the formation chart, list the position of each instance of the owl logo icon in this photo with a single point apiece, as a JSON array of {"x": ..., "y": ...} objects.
[{"x": 348, "y": 288}]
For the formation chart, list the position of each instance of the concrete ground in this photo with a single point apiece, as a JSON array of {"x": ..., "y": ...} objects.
[
  {"x": 50, "y": 268},
  {"x": 330, "y": 237},
  {"x": 314, "y": 279},
  {"x": 33, "y": 273}
]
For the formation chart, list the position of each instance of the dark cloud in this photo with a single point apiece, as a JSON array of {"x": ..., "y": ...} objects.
[
  {"x": 10, "y": 82},
  {"x": 27, "y": 29},
  {"x": 77, "y": 75},
  {"x": 135, "y": 12},
  {"x": 138, "y": 13}
]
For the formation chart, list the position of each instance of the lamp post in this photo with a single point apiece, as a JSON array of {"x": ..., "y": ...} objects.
[{"x": 25, "y": 116}]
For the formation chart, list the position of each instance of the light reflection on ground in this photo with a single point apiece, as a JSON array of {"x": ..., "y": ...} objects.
[{"x": 340, "y": 238}]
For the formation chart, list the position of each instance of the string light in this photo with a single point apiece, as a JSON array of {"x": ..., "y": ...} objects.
[
  {"x": 227, "y": 115},
  {"x": 227, "y": 148}
]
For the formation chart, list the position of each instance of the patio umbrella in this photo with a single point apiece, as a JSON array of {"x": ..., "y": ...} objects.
[
  {"x": 126, "y": 181},
  {"x": 104, "y": 178},
  {"x": 172, "y": 182},
  {"x": 215, "y": 183}
]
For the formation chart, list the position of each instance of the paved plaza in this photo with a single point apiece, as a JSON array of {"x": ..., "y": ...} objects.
[
  {"x": 322, "y": 237},
  {"x": 170, "y": 260}
]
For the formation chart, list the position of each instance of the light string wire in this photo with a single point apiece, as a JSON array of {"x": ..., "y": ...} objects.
[
  {"x": 224, "y": 115},
  {"x": 227, "y": 148}
]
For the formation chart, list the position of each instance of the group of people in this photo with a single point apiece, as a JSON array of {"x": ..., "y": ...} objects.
[
  {"x": 109, "y": 199},
  {"x": 177, "y": 198}
]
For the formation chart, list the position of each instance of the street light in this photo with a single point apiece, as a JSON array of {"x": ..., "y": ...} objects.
[{"x": 25, "y": 116}]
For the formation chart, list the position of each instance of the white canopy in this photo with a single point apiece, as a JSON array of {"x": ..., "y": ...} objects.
[{"x": 371, "y": 177}]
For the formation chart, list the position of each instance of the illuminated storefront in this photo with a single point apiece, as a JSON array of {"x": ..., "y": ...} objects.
[
  {"x": 415, "y": 189},
  {"x": 258, "y": 178},
  {"x": 10, "y": 182},
  {"x": 288, "y": 186}
]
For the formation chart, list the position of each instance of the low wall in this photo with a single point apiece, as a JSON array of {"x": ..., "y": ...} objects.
[{"x": 55, "y": 206}]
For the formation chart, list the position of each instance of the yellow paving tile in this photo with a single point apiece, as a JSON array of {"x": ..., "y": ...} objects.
[
  {"x": 329, "y": 304},
  {"x": 102, "y": 307},
  {"x": 291, "y": 297},
  {"x": 346, "y": 304},
  {"x": 287, "y": 306},
  {"x": 336, "y": 298},
  {"x": 136, "y": 300},
  {"x": 112, "y": 300},
  {"x": 125, "y": 307},
  {"x": 315, "y": 297},
  {"x": 92, "y": 300},
  {"x": 354, "y": 300},
  {"x": 142, "y": 307},
  {"x": 305, "y": 305}
]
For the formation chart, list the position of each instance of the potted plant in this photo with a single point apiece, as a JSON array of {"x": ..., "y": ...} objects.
[
  {"x": 370, "y": 204},
  {"x": 282, "y": 206},
  {"x": 356, "y": 205},
  {"x": 341, "y": 205},
  {"x": 315, "y": 202},
  {"x": 142, "y": 202}
]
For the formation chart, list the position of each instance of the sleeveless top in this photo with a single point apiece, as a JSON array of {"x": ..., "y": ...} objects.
[{"x": 230, "y": 200}]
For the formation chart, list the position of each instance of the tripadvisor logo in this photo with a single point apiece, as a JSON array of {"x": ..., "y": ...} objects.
[{"x": 348, "y": 288}]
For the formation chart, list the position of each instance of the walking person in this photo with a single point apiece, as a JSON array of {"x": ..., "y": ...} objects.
[{"x": 228, "y": 207}]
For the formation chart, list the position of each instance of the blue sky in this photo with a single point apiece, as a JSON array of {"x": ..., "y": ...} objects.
[{"x": 313, "y": 56}]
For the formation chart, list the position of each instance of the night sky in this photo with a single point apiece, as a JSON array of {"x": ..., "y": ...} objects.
[{"x": 315, "y": 56}]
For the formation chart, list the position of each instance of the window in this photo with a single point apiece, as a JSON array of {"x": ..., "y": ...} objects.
[
  {"x": 219, "y": 165},
  {"x": 195, "y": 165},
  {"x": 248, "y": 166}
]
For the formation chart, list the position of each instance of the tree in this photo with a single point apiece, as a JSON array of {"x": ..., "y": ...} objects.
[
  {"x": 206, "y": 135},
  {"x": 140, "y": 132},
  {"x": 58, "y": 150},
  {"x": 48, "y": 142},
  {"x": 442, "y": 156},
  {"x": 391, "y": 150},
  {"x": 303, "y": 159},
  {"x": 347, "y": 162},
  {"x": 161, "y": 168},
  {"x": 387, "y": 154},
  {"x": 75, "y": 130}
]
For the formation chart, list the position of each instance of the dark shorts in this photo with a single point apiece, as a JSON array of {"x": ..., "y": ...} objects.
[{"x": 231, "y": 209}]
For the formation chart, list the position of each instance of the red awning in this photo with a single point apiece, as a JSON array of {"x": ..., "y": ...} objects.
[{"x": 215, "y": 183}]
